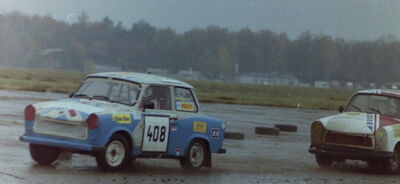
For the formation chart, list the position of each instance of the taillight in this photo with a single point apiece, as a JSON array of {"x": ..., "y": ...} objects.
[
  {"x": 72, "y": 113},
  {"x": 30, "y": 113},
  {"x": 92, "y": 121}
]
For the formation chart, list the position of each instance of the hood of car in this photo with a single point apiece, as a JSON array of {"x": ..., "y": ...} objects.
[
  {"x": 76, "y": 109},
  {"x": 357, "y": 122}
]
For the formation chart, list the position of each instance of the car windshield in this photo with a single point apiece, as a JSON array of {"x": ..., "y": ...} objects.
[
  {"x": 109, "y": 90},
  {"x": 375, "y": 104}
]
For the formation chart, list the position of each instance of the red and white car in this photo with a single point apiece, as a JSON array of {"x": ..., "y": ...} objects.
[{"x": 367, "y": 129}]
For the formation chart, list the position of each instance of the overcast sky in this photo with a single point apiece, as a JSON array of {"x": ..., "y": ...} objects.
[{"x": 350, "y": 19}]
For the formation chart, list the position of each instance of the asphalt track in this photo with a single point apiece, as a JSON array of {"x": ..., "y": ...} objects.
[{"x": 256, "y": 159}]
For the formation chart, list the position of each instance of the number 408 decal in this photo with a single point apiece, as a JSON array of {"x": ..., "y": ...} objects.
[{"x": 155, "y": 133}]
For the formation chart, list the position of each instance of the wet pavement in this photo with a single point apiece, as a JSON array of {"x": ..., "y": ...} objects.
[{"x": 257, "y": 159}]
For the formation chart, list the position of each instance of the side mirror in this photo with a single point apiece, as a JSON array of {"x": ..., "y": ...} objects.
[
  {"x": 341, "y": 109},
  {"x": 71, "y": 94},
  {"x": 148, "y": 105}
]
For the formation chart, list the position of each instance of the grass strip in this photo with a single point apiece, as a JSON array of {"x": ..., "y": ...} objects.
[{"x": 208, "y": 92}]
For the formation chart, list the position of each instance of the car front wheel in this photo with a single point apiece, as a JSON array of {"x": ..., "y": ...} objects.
[
  {"x": 116, "y": 154},
  {"x": 392, "y": 164},
  {"x": 323, "y": 161},
  {"x": 196, "y": 155},
  {"x": 43, "y": 154}
]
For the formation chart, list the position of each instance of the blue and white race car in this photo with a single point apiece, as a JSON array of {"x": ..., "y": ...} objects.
[{"x": 120, "y": 116}]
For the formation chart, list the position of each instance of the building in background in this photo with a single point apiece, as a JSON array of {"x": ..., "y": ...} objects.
[{"x": 273, "y": 78}]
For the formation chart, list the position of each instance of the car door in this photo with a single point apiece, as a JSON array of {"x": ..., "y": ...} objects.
[{"x": 157, "y": 118}]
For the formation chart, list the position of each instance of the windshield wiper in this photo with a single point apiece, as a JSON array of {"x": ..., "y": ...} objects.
[
  {"x": 101, "y": 97},
  {"x": 375, "y": 109},
  {"x": 355, "y": 106},
  {"x": 82, "y": 95}
]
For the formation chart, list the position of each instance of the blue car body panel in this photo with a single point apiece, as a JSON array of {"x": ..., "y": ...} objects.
[{"x": 181, "y": 133}]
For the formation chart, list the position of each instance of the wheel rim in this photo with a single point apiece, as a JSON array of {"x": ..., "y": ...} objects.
[
  {"x": 196, "y": 154},
  {"x": 115, "y": 153}
]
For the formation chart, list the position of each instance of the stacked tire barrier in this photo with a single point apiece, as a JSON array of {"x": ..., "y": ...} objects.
[{"x": 263, "y": 131}]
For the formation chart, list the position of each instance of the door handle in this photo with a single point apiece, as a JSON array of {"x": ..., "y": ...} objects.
[{"x": 173, "y": 118}]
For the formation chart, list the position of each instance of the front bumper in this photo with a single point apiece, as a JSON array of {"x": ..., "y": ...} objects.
[
  {"x": 349, "y": 153},
  {"x": 63, "y": 144},
  {"x": 222, "y": 150}
]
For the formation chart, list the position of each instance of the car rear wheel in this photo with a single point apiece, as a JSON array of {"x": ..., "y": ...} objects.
[
  {"x": 392, "y": 164},
  {"x": 43, "y": 154},
  {"x": 196, "y": 155},
  {"x": 116, "y": 154},
  {"x": 323, "y": 161}
]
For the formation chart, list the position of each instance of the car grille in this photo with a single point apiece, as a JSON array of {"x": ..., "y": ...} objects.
[
  {"x": 353, "y": 140},
  {"x": 60, "y": 128}
]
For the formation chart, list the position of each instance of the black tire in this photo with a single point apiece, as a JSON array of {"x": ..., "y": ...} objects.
[
  {"x": 43, "y": 154},
  {"x": 117, "y": 148},
  {"x": 323, "y": 161},
  {"x": 392, "y": 165},
  {"x": 192, "y": 161},
  {"x": 234, "y": 135},
  {"x": 266, "y": 131},
  {"x": 65, "y": 156},
  {"x": 286, "y": 128}
]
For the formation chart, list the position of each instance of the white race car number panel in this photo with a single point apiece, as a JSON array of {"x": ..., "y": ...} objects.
[{"x": 156, "y": 133}]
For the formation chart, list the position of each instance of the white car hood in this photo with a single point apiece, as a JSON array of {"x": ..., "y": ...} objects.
[
  {"x": 352, "y": 122},
  {"x": 76, "y": 109}
]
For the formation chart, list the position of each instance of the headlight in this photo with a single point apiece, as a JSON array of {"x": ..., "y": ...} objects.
[
  {"x": 380, "y": 139},
  {"x": 223, "y": 125},
  {"x": 317, "y": 132}
]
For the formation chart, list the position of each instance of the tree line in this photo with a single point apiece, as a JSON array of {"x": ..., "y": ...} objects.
[{"x": 214, "y": 51}]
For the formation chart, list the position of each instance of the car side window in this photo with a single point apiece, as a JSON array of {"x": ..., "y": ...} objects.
[
  {"x": 160, "y": 96},
  {"x": 184, "y": 100}
]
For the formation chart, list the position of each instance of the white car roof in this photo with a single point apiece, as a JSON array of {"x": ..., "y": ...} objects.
[
  {"x": 143, "y": 78},
  {"x": 390, "y": 92}
]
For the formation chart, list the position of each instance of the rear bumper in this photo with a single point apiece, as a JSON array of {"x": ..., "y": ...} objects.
[
  {"x": 349, "y": 153},
  {"x": 63, "y": 144}
]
